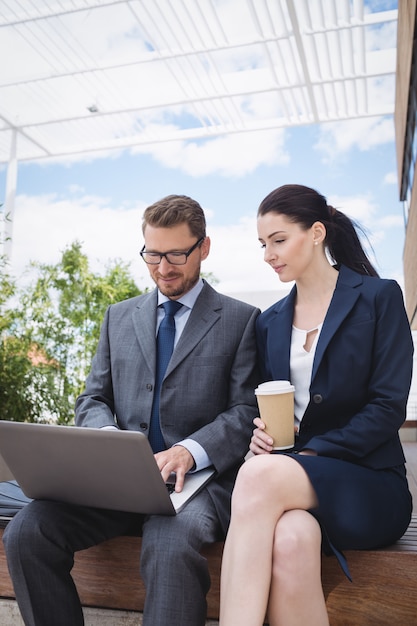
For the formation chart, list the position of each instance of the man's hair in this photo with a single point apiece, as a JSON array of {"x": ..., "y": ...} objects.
[{"x": 173, "y": 210}]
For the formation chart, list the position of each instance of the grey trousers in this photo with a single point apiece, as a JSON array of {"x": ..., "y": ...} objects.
[{"x": 41, "y": 540}]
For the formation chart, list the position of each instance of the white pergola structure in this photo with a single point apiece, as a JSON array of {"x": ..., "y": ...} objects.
[{"x": 82, "y": 76}]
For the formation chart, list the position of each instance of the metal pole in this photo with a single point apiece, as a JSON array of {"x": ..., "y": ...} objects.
[{"x": 11, "y": 181}]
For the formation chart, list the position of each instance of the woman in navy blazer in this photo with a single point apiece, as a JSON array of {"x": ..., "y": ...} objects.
[{"x": 343, "y": 340}]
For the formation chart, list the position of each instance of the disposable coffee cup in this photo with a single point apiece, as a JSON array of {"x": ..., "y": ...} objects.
[{"x": 276, "y": 409}]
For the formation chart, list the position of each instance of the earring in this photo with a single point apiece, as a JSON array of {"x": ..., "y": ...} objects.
[{"x": 316, "y": 243}]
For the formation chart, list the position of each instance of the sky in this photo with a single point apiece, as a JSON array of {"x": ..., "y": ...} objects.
[{"x": 99, "y": 200}]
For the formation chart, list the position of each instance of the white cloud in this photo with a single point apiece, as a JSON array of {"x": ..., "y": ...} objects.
[
  {"x": 382, "y": 37},
  {"x": 365, "y": 211},
  {"x": 391, "y": 221},
  {"x": 45, "y": 225},
  {"x": 377, "y": 228},
  {"x": 391, "y": 178},
  {"x": 360, "y": 208},
  {"x": 236, "y": 259},
  {"x": 339, "y": 138},
  {"x": 233, "y": 155}
]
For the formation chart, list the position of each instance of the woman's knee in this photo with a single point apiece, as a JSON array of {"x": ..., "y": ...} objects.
[
  {"x": 260, "y": 479},
  {"x": 297, "y": 538},
  {"x": 248, "y": 486}
]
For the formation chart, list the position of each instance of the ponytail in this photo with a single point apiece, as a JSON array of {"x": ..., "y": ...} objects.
[{"x": 344, "y": 245}]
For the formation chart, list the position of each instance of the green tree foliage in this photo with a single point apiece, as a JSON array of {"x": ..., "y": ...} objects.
[{"x": 49, "y": 331}]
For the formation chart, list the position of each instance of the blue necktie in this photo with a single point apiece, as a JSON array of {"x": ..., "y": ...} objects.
[{"x": 164, "y": 349}]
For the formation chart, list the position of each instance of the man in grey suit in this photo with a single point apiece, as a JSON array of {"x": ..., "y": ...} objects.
[{"x": 204, "y": 418}]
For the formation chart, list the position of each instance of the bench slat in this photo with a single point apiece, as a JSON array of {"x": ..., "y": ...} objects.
[{"x": 383, "y": 591}]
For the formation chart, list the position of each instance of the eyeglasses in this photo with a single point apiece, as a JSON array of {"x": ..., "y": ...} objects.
[{"x": 173, "y": 258}]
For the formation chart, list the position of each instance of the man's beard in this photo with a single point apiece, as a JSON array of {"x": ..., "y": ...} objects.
[{"x": 179, "y": 289}]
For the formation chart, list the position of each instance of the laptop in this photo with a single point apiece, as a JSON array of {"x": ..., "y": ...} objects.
[{"x": 110, "y": 469}]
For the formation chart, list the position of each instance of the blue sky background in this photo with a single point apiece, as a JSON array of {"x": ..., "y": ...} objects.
[{"x": 100, "y": 201}]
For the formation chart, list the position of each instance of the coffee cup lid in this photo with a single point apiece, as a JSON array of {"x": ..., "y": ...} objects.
[{"x": 274, "y": 386}]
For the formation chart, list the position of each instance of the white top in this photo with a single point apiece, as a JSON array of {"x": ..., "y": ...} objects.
[{"x": 301, "y": 366}]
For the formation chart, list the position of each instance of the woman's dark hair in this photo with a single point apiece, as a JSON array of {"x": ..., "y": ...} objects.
[{"x": 304, "y": 206}]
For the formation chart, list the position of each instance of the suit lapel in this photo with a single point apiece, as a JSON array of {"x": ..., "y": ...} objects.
[
  {"x": 344, "y": 298},
  {"x": 144, "y": 322},
  {"x": 279, "y": 336},
  {"x": 205, "y": 313}
]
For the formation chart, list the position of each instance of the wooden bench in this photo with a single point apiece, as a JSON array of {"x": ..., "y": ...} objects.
[{"x": 383, "y": 592}]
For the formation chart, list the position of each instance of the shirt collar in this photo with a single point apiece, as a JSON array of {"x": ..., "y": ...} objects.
[{"x": 188, "y": 299}]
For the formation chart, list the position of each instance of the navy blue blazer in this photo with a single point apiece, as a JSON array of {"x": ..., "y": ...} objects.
[{"x": 361, "y": 371}]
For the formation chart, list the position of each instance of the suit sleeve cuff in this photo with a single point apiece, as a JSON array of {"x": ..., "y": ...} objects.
[{"x": 201, "y": 458}]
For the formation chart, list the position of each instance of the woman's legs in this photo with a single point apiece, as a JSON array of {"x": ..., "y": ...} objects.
[
  {"x": 267, "y": 486},
  {"x": 296, "y": 594}
]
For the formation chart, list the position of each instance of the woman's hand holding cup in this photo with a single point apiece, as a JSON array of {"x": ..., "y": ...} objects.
[{"x": 261, "y": 442}]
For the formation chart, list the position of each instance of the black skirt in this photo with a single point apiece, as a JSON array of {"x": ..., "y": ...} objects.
[{"x": 359, "y": 508}]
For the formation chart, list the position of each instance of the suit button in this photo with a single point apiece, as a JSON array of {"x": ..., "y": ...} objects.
[
  {"x": 149, "y": 387},
  {"x": 143, "y": 425},
  {"x": 317, "y": 398}
]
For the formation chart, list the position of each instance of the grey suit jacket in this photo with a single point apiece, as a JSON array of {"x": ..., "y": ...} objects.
[{"x": 208, "y": 390}]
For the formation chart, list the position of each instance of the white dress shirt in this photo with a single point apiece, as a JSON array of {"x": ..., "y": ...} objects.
[{"x": 301, "y": 366}]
